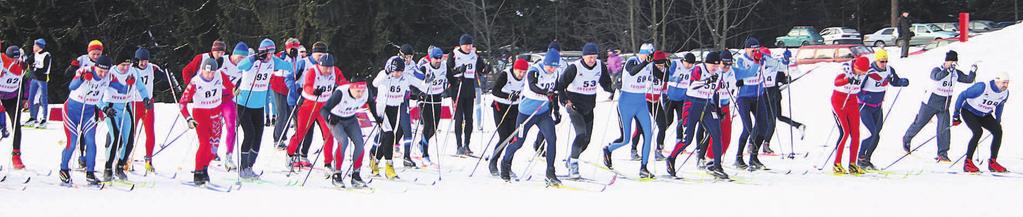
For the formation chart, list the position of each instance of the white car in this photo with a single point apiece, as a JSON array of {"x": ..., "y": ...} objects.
[
  {"x": 840, "y": 35},
  {"x": 881, "y": 38},
  {"x": 922, "y": 34}
]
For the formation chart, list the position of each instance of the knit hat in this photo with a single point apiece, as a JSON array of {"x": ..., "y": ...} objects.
[
  {"x": 104, "y": 62},
  {"x": 40, "y": 42},
  {"x": 465, "y": 39},
  {"x": 1002, "y": 76},
  {"x": 712, "y": 58},
  {"x": 765, "y": 51},
  {"x": 726, "y": 57},
  {"x": 218, "y": 45},
  {"x": 395, "y": 64},
  {"x": 590, "y": 49},
  {"x": 142, "y": 53},
  {"x": 319, "y": 47},
  {"x": 554, "y": 45},
  {"x": 646, "y": 48},
  {"x": 210, "y": 64},
  {"x": 13, "y": 51},
  {"x": 689, "y": 58},
  {"x": 407, "y": 49},
  {"x": 553, "y": 58},
  {"x": 301, "y": 49},
  {"x": 436, "y": 53},
  {"x": 267, "y": 45},
  {"x": 326, "y": 60},
  {"x": 951, "y": 56},
  {"x": 95, "y": 45},
  {"x": 660, "y": 57},
  {"x": 861, "y": 63},
  {"x": 521, "y": 64},
  {"x": 291, "y": 43},
  {"x": 752, "y": 42},
  {"x": 880, "y": 54},
  {"x": 358, "y": 85},
  {"x": 241, "y": 49}
]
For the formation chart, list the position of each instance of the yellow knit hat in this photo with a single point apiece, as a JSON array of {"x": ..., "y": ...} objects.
[{"x": 881, "y": 54}]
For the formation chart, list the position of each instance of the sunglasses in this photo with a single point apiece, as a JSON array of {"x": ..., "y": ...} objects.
[{"x": 883, "y": 61}]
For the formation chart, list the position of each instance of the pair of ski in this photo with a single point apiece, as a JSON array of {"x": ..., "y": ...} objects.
[{"x": 210, "y": 186}]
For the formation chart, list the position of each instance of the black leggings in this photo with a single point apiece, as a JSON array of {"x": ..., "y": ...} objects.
[
  {"x": 987, "y": 122},
  {"x": 251, "y": 121},
  {"x": 388, "y": 136},
  {"x": 464, "y": 102},
  {"x": 504, "y": 117},
  {"x": 13, "y": 108},
  {"x": 582, "y": 121}
]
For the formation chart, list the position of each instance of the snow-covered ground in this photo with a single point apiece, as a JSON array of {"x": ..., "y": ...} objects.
[{"x": 926, "y": 191}]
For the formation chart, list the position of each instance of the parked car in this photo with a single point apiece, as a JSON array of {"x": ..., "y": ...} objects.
[
  {"x": 1004, "y": 24},
  {"x": 949, "y": 27},
  {"x": 799, "y": 36},
  {"x": 935, "y": 44},
  {"x": 841, "y": 35},
  {"x": 925, "y": 33},
  {"x": 882, "y": 37},
  {"x": 830, "y": 53},
  {"x": 983, "y": 26}
]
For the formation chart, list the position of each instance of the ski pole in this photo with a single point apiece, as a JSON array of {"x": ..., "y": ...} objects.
[
  {"x": 492, "y": 135},
  {"x": 910, "y": 152},
  {"x": 964, "y": 154},
  {"x": 792, "y": 137}
]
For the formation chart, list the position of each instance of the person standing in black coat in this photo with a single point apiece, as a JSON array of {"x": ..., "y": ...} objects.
[{"x": 904, "y": 25}]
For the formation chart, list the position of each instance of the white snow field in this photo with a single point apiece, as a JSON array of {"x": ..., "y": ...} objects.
[{"x": 917, "y": 186}]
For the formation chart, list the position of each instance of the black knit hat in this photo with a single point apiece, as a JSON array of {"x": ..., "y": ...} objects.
[{"x": 951, "y": 56}]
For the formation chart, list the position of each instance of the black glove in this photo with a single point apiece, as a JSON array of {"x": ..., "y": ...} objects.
[
  {"x": 261, "y": 55},
  {"x": 192, "y": 123},
  {"x": 319, "y": 91},
  {"x": 557, "y": 117},
  {"x": 713, "y": 78},
  {"x": 110, "y": 112},
  {"x": 461, "y": 69},
  {"x": 429, "y": 78},
  {"x": 739, "y": 83},
  {"x": 333, "y": 119},
  {"x": 514, "y": 96},
  {"x": 854, "y": 80},
  {"x": 782, "y": 78},
  {"x": 293, "y": 53},
  {"x": 148, "y": 103}
]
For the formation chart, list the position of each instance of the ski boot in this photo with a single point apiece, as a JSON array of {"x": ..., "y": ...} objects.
[
  {"x": 767, "y": 150},
  {"x": 200, "y": 177},
  {"x": 607, "y": 158},
  {"x": 802, "y": 131},
  {"x": 357, "y": 180},
  {"x": 108, "y": 175},
  {"x": 969, "y": 167},
  {"x": 30, "y": 123},
  {"x": 755, "y": 164},
  {"x": 294, "y": 163},
  {"x": 493, "y": 168},
  {"x": 906, "y": 147},
  {"x": 408, "y": 163},
  {"x": 389, "y": 170},
  {"x": 282, "y": 146},
  {"x": 427, "y": 162},
  {"x": 149, "y": 165},
  {"x": 65, "y": 177},
  {"x": 716, "y": 171},
  {"x": 119, "y": 172},
  {"x": 41, "y": 124},
  {"x": 644, "y": 173},
  {"x": 338, "y": 180},
  {"x": 739, "y": 163},
  {"x": 993, "y": 166},
  {"x": 552, "y": 181},
  {"x": 374, "y": 167},
  {"x": 838, "y": 169},
  {"x": 90, "y": 177},
  {"x": 229, "y": 163},
  {"x": 81, "y": 162},
  {"x": 658, "y": 155},
  {"x": 247, "y": 173},
  {"x": 16, "y": 160},
  {"x": 855, "y": 170},
  {"x": 942, "y": 158},
  {"x": 866, "y": 165},
  {"x": 635, "y": 155},
  {"x": 573, "y": 169},
  {"x": 671, "y": 166}
]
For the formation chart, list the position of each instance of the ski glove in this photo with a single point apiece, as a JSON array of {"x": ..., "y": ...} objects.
[
  {"x": 110, "y": 112},
  {"x": 973, "y": 68},
  {"x": 86, "y": 76},
  {"x": 739, "y": 83},
  {"x": 333, "y": 119},
  {"x": 557, "y": 117},
  {"x": 901, "y": 82},
  {"x": 192, "y": 123},
  {"x": 957, "y": 120},
  {"x": 514, "y": 96},
  {"x": 319, "y": 91},
  {"x": 148, "y": 103},
  {"x": 130, "y": 81}
]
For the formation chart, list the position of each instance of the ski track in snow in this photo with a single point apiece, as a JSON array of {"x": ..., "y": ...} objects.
[{"x": 817, "y": 193}]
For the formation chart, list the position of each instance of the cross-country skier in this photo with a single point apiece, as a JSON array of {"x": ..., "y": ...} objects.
[
  {"x": 229, "y": 110},
  {"x": 703, "y": 112},
  {"x": 217, "y": 51},
  {"x": 340, "y": 109},
  {"x": 205, "y": 92},
  {"x": 507, "y": 93},
  {"x": 937, "y": 103},
  {"x": 251, "y": 98},
  {"x": 844, "y": 102},
  {"x": 393, "y": 84},
  {"x": 726, "y": 94},
  {"x": 38, "y": 90},
  {"x": 282, "y": 82},
  {"x": 752, "y": 104},
  {"x": 880, "y": 76},
  {"x": 678, "y": 84},
  {"x": 774, "y": 76},
  {"x": 645, "y": 51},
  {"x": 10, "y": 91},
  {"x": 463, "y": 66},
  {"x": 118, "y": 115},
  {"x": 536, "y": 108},
  {"x": 142, "y": 102},
  {"x": 981, "y": 106},
  {"x": 578, "y": 83},
  {"x": 87, "y": 88},
  {"x": 319, "y": 83},
  {"x": 94, "y": 50},
  {"x": 655, "y": 108},
  {"x": 434, "y": 82},
  {"x": 302, "y": 65},
  {"x": 632, "y": 104}
]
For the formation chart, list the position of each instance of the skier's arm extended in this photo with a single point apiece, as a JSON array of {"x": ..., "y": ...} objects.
[{"x": 973, "y": 92}]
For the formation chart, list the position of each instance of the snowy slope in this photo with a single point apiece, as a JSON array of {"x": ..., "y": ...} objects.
[{"x": 930, "y": 193}]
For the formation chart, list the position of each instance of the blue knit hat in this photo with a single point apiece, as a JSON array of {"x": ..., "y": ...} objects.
[
  {"x": 394, "y": 64},
  {"x": 752, "y": 42},
  {"x": 326, "y": 60},
  {"x": 465, "y": 39},
  {"x": 590, "y": 49},
  {"x": 41, "y": 42},
  {"x": 142, "y": 53},
  {"x": 553, "y": 58},
  {"x": 712, "y": 58},
  {"x": 646, "y": 48},
  {"x": 554, "y": 45},
  {"x": 726, "y": 57},
  {"x": 104, "y": 62},
  {"x": 267, "y": 44},
  {"x": 241, "y": 49},
  {"x": 436, "y": 53},
  {"x": 13, "y": 51}
]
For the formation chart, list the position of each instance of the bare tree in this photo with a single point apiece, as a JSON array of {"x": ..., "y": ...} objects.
[
  {"x": 721, "y": 17},
  {"x": 482, "y": 19}
]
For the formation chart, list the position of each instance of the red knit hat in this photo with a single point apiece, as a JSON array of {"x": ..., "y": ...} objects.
[
  {"x": 95, "y": 45},
  {"x": 521, "y": 64},
  {"x": 659, "y": 55},
  {"x": 218, "y": 45},
  {"x": 861, "y": 63}
]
